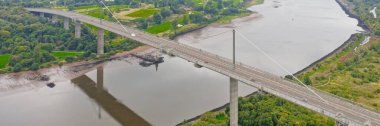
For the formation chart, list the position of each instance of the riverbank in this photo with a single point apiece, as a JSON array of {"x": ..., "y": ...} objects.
[
  {"x": 345, "y": 7},
  {"x": 222, "y": 20},
  {"x": 352, "y": 73},
  {"x": 265, "y": 109},
  {"x": 339, "y": 47},
  {"x": 26, "y": 80},
  {"x": 215, "y": 110},
  {"x": 350, "y": 41}
]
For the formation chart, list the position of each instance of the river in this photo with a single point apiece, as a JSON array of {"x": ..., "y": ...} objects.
[{"x": 294, "y": 32}]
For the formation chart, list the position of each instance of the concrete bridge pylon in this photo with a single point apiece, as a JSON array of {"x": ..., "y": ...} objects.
[
  {"x": 78, "y": 29},
  {"x": 100, "y": 41},
  {"x": 66, "y": 23}
]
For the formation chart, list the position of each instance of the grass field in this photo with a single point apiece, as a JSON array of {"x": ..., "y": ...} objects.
[
  {"x": 159, "y": 28},
  {"x": 143, "y": 13},
  {"x": 94, "y": 10},
  {"x": 64, "y": 54},
  {"x": 4, "y": 60}
]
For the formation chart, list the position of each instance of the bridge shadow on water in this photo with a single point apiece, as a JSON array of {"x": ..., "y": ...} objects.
[{"x": 121, "y": 113}]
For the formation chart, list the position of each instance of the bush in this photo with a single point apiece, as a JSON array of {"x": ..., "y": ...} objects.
[
  {"x": 377, "y": 91},
  {"x": 289, "y": 77},
  {"x": 35, "y": 66},
  {"x": 70, "y": 59},
  {"x": 307, "y": 81}
]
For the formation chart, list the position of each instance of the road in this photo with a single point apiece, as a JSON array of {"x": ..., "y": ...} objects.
[{"x": 340, "y": 109}]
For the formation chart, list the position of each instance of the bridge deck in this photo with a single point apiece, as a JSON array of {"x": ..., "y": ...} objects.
[{"x": 335, "y": 107}]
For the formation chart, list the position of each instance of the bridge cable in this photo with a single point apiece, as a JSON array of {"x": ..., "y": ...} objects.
[
  {"x": 252, "y": 43},
  {"x": 125, "y": 29},
  {"x": 279, "y": 65}
]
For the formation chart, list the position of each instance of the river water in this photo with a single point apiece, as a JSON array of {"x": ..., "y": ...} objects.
[{"x": 293, "y": 32}]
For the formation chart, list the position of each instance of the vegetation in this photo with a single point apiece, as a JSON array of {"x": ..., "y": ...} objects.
[
  {"x": 266, "y": 110},
  {"x": 143, "y": 13},
  {"x": 28, "y": 42},
  {"x": 362, "y": 9},
  {"x": 4, "y": 60},
  {"x": 159, "y": 28},
  {"x": 158, "y": 17},
  {"x": 353, "y": 73},
  {"x": 64, "y": 54}
]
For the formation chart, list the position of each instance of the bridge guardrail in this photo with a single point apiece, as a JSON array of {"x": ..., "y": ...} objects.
[{"x": 164, "y": 43}]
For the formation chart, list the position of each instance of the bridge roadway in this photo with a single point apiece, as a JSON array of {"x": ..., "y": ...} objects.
[{"x": 342, "y": 110}]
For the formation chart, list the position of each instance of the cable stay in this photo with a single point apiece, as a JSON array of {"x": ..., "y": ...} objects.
[{"x": 279, "y": 65}]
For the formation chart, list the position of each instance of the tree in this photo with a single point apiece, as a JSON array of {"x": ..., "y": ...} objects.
[
  {"x": 70, "y": 59},
  {"x": 265, "y": 120},
  {"x": 35, "y": 66},
  {"x": 220, "y": 4},
  {"x": 175, "y": 26},
  {"x": 17, "y": 67},
  {"x": 118, "y": 2},
  {"x": 307, "y": 81},
  {"x": 134, "y": 4},
  {"x": 157, "y": 18},
  {"x": 71, "y": 8},
  {"x": 289, "y": 77},
  {"x": 165, "y": 12},
  {"x": 197, "y": 18},
  {"x": 185, "y": 20}
]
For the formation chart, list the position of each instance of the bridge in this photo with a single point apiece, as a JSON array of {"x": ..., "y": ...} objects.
[{"x": 343, "y": 111}]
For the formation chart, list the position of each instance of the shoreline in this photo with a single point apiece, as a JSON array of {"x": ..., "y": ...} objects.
[
  {"x": 335, "y": 51},
  {"x": 214, "y": 110},
  {"x": 351, "y": 14},
  {"x": 27, "y": 80},
  {"x": 361, "y": 24},
  {"x": 233, "y": 17},
  {"x": 346, "y": 9}
]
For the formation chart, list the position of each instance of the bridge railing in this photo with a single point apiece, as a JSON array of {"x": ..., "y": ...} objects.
[
  {"x": 229, "y": 61},
  {"x": 226, "y": 60},
  {"x": 346, "y": 100}
]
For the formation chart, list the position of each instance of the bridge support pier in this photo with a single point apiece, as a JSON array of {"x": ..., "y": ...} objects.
[
  {"x": 233, "y": 102},
  {"x": 100, "y": 41},
  {"x": 42, "y": 14},
  {"x": 78, "y": 29},
  {"x": 66, "y": 23},
  {"x": 99, "y": 78}
]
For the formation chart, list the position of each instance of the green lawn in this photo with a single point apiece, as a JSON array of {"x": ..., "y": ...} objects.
[
  {"x": 4, "y": 60},
  {"x": 94, "y": 11},
  {"x": 143, "y": 13},
  {"x": 64, "y": 54},
  {"x": 159, "y": 28}
]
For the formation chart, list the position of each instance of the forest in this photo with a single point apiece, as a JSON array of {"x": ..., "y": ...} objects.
[
  {"x": 163, "y": 17},
  {"x": 265, "y": 110},
  {"x": 30, "y": 42}
]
